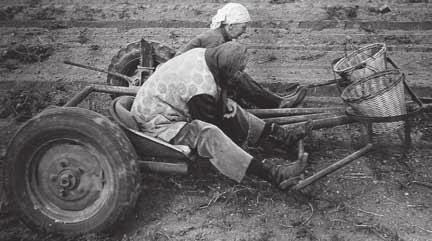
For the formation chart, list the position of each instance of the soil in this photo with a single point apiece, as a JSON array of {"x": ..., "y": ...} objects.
[{"x": 380, "y": 196}]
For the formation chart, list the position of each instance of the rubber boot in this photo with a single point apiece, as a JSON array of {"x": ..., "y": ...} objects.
[
  {"x": 291, "y": 88},
  {"x": 294, "y": 99},
  {"x": 281, "y": 174},
  {"x": 288, "y": 135}
]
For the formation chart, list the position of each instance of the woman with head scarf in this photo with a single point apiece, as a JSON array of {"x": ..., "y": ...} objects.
[
  {"x": 229, "y": 23},
  {"x": 184, "y": 103}
]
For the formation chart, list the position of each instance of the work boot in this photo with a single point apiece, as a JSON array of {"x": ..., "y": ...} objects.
[
  {"x": 288, "y": 135},
  {"x": 281, "y": 174},
  {"x": 295, "y": 99},
  {"x": 291, "y": 88}
]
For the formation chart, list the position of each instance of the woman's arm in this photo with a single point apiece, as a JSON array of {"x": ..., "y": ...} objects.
[
  {"x": 194, "y": 43},
  {"x": 204, "y": 107}
]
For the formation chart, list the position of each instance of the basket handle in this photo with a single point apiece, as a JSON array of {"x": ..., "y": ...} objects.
[
  {"x": 411, "y": 93},
  {"x": 392, "y": 62},
  {"x": 336, "y": 80}
]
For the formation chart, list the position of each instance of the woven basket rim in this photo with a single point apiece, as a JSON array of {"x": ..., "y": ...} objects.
[
  {"x": 380, "y": 92},
  {"x": 335, "y": 66}
]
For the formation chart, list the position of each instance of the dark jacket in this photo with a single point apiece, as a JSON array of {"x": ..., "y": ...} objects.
[{"x": 209, "y": 39}]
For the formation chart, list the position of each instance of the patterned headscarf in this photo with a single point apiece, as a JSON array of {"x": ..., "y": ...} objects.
[
  {"x": 231, "y": 13},
  {"x": 225, "y": 60}
]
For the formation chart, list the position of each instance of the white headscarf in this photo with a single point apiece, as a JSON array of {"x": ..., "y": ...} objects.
[{"x": 231, "y": 13}]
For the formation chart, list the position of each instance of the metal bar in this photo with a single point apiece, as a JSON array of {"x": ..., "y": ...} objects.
[
  {"x": 122, "y": 76},
  {"x": 164, "y": 167},
  {"x": 333, "y": 167},
  {"x": 427, "y": 107},
  {"x": 299, "y": 118},
  {"x": 142, "y": 52},
  {"x": 407, "y": 130},
  {"x": 392, "y": 62},
  {"x": 131, "y": 90},
  {"x": 300, "y": 149},
  {"x": 293, "y": 111},
  {"x": 369, "y": 131},
  {"x": 425, "y": 184},
  {"x": 328, "y": 82},
  {"x": 411, "y": 92},
  {"x": 426, "y": 100},
  {"x": 146, "y": 58},
  {"x": 328, "y": 122},
  {"x": 80, "y": 96},
  {"x": 332, "y": 122}
]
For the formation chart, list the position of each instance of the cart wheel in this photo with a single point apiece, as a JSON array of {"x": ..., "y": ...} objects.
[
  {"x": 127, "y": 60},
  {"x": 71, "y": 171}
]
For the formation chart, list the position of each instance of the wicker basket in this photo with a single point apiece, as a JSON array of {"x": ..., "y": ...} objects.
[
  {"x": 362, "y": 63},
  {"x": 379, "y": 95}
]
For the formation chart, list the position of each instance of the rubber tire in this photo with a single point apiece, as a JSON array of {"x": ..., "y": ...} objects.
[
  {"x": 127, "y": 60},
  {"x": 102, "y": 134}
]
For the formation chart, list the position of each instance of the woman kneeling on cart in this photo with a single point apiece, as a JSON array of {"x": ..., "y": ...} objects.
[{"x": 184, "y": 103}]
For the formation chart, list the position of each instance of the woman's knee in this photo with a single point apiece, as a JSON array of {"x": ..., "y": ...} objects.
[
  {"x": 206, "y": 128},
  {"x": 202, "y": 125}
]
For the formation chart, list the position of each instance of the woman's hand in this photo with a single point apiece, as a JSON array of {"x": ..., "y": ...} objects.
[{"x": 231, "y": 109}]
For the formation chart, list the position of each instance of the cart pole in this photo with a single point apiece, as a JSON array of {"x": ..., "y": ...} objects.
[
  {"x": 278, "y": 112},
  {"x": 130, "y": 80},
  {"x": 79, "y": 97},
  {"x": 334, "y": 167}
]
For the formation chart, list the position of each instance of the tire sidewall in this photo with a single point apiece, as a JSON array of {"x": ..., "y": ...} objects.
[
  {"x": 118, "y": 152},
  {"x": 128, "y": 58}
]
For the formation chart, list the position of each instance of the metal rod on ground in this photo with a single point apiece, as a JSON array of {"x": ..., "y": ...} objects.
[
  {"x": 132, "y": 90},
  {"x": 293, "y": 111},
  {"x": 122, "y": 76},
  {"x": 299, "y": 118},
  {"x": 327, "y": 122},
  {"x": 76, "y": 99},
  {"x": 333, "y": 167},
  {"x": 425, "y": 184}
]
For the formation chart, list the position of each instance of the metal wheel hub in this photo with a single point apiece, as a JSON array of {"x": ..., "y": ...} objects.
[
  {"x": 68, "y": 179},
  {"x": 69, "y": 176}
]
